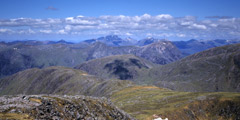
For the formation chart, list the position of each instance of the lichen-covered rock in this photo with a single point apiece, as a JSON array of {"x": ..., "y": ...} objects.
[{"x": 58, "y": 107}]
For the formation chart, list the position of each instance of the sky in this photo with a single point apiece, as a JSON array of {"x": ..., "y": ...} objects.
[{"x": 76, "y": 20}]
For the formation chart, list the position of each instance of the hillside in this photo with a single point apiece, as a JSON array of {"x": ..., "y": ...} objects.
[
  {"x": 141, "y": 102},
  {"x": 118, "y": 66},
  {"x": 58, "y": 107},
  {"x": 150, "y": 102},
  {"x": 58, "y": 80},
  {"x": 216, "y": 69}
]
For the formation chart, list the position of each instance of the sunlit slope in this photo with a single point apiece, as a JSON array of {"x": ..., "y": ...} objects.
[
  {"x": 58, "y": 80},
  {"x": 216, "y": 69},
  {"x": 147, "y": 102}
]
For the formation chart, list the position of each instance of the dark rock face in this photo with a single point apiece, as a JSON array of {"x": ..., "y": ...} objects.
[
  {"x": 118, "y": 69},
  {"x": 59, "y": 108},
  {"x": 124, "y": 67}
]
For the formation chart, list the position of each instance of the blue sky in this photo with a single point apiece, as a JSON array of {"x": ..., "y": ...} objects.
[{"x": 76, "y": 20}]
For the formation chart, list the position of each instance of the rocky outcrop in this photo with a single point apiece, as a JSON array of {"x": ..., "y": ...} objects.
[{"x": 59, "y": 108}]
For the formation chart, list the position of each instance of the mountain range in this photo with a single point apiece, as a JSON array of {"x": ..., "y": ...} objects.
[
  {"x": 149, "y": 79},
  {"x": 113, "y": 40},
  {"x": 19, "y": 56}
]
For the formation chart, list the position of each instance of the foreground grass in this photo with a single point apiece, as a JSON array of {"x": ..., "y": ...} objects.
[{"x": 145, "y": 102}]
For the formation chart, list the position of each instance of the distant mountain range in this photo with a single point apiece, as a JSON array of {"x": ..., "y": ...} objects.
[
  {"x": 113, "y": 40},
  {"x": 21, "y": 55},
  {"x": 194, "y": 46}
]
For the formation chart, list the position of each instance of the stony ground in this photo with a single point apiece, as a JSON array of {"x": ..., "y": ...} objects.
[{"x": 58, "y": 108}]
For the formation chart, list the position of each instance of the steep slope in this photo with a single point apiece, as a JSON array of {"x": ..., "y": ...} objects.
[
  {"x": 20, "y": 56},
  {"x": 150, "y": 102},
  {"x": 118, "y": 66},
  {"x": 162, "y": 52},
  {"x": 58, "y": 80},
  {"x": 216, "y": 69},
  {"x": 194, "y": 46},
  {"x": 57, "y": 107}
]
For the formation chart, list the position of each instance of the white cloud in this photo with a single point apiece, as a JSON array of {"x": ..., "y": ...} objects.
[
  {"x": 128, "y": 34},
  {"x": 181, "y": 35},
  {"x": 163, "y": 25},
  {"x": 45, "y": 31},
  {"x": 62, "y": 32},
  {"x": 164, "y": 16},
  {"x": 146, "y": 16},
  {"x": 197, "y": 26},
  {"x": 5, "y": 30}
]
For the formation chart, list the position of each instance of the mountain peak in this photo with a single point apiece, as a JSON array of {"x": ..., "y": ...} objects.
[{"x": 110, "y": 38}]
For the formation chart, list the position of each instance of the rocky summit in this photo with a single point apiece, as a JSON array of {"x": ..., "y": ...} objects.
[{"x": 57, "y": 107}]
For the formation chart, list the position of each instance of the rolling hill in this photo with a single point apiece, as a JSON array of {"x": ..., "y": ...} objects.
[
  {"x": 213, "y": 70},
  {"x": 58, "y": 80}
]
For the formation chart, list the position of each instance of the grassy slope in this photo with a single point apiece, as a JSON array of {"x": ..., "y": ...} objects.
[
  {"x": 216, "y": 69},
  {"x": 58, "y": 80},
  {"x": 143, "y": 102}
]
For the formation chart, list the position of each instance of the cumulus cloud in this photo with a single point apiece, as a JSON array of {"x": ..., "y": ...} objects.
[
  {"x": 163, "y": 25},
  {"x": 45, "y": 31},
  {"x": 5, "y": 30},
  {"x": 62, "y": 32}
]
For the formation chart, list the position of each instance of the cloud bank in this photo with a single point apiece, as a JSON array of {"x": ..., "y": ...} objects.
[{"x": 160, "y": 26}]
